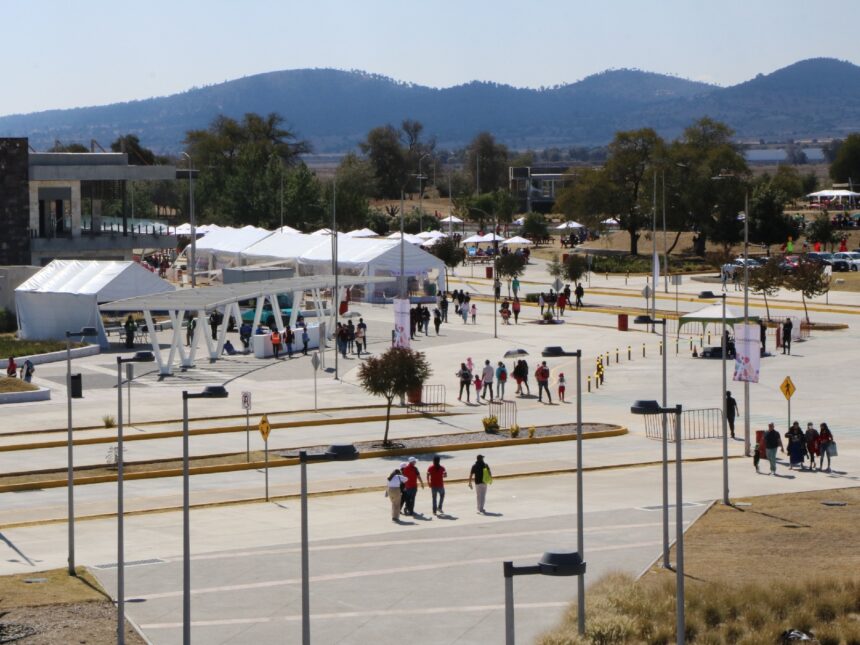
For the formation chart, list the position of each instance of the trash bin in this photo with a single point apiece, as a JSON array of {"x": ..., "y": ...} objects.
[
  {"x": 489, "y": 272},
  {"x": 622, "y": 322},
  {"x": 77, "y": 387}
]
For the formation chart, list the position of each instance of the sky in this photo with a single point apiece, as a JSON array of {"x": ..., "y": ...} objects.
[{"x": 60, "y": 54}]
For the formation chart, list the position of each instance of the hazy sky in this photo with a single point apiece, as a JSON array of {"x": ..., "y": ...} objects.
[{"x": 56, "y": 54}]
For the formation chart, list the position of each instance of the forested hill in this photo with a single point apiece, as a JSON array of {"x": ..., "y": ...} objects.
[{"x": 334, "y": 109}]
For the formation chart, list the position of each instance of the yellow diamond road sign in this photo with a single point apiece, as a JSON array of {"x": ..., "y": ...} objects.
[
  {"x": 787, "y": 388},
  {"x": 265, "y": 428}
]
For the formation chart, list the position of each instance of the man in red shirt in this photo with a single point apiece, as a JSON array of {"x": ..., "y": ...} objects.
[
  {"x": 413, "y": 476},
  {"x": 436, "y": 475}
]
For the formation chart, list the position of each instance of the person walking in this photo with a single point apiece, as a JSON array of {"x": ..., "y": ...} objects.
[
  {"x": 542, "y": 378},
  {"x": 189, "y": 330},
  {"x": 130, "y": 328},
  {"x": 796, "y": 446},
  {"x": 731, "y": 411},
  {"x": 515, "y": 287},
  {"x": 501, "y": 379},
  {"x": 478, "y": 383},
  {"x": 515, "y": 308},
  {"x": 482, "y": 476},
  {"x": 465, "y": 376},
  {"x": 542, "y": 303},
  {"x": 12, "y": 368},
  {"x": 305, "y": 340},
  {"x": 473, "y": 311},
  {"x": 525, "y": 375},
  {"x": 350, "y": 337},
  {"x": 437, "y": 320},
  {"x": 276, "y": 343},
  {"x": 763, "y": 336},
  {"x": 497, "y": 289},
  {"x": 436, "y": 475},
  {"x": 787, "y": 326},
  {"x": 245, "y": 335},
  {"x": 561, "y": 303},
  {"x": 360, "y": 340},
  {"x": 27, "y": 370},
  {"x": 394, "y": 491},
  {"x": 464, "y": 313},
  {"x": 826, "y": 443},
  {"x": 562, "y": 386},
  {"x": 811, "y": 439},
  {"x": 289, "y": 339},
  {"x": 487, "y": 376},
  {"x": 772, "y": 442},
  {"x": 579, "y": 292},
  {"x": 410, "y": 488},
  {"x": 214, "y": 321}
]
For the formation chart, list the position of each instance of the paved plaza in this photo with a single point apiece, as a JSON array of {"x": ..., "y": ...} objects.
[{"x": 430, "y": 579}]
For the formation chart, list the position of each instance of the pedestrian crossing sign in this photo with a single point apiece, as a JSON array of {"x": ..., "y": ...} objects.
[{"x": 787, "y": 388}]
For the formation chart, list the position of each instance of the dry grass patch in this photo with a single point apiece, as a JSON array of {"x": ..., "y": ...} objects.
[
  {"x": 753, "y": 572},
  {"x": 8, "y": 385}
]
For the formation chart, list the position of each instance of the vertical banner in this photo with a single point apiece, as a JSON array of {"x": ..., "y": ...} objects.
[
  {"x": 747, "y": 352},
  {"x": 400, "y": 338}
]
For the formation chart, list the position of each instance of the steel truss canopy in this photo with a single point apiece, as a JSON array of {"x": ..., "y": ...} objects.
[{"x": 225, "y": 298}]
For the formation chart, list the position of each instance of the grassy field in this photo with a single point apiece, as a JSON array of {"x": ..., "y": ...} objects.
[{"x": 783, "y": 562}]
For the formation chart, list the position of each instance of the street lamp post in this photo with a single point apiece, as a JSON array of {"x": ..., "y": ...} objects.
[
  {"x": 421, "y": 178},
  {"x": 746, "y": 316},
  {"x": 343, "y": 452},
  {"x": 192, "y": 222},
  {"x": 709, "y": 295},
  {"x": 580, "y": 541},
  {"x": 85, "y": 332},
  {"x": 652, "y": 407},
  {"x": 336, "y": 294},
  {"x": 647, "y": 320},
  {"x": 139, "y": 357},
  {"x": 209, "y": 392}
]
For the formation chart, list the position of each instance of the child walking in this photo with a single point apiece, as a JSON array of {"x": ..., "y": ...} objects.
[
  {"x": 474, "y": 312},
  {"x": 478, "y": 385},
  {"x": 561, "y": 387}
]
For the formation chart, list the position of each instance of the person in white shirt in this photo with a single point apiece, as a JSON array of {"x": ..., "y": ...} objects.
[
  {"x": 487, "y": 379},
  {"x": 396, "y": 481}
]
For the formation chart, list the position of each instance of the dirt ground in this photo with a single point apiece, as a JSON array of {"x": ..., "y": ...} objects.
[
  {"x": 774, "y": 537},
  {"x": 52, "y": 607}
]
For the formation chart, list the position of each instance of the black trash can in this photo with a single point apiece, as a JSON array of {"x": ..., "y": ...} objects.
[{"x": 77, "y": 387}]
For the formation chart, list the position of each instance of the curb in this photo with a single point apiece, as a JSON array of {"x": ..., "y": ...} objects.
[
  {"x": 53, "y": 357},
  {"x": 292, "y": 461},
  {"x": 28, "y": 396}
]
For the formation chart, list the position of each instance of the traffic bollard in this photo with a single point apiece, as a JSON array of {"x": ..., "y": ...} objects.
[
  {"x": 629, "y": 354},
  {"x": 643, "y": 350},
  {"x": 616, "y": 356},
  {"x": 589, "y": 382}
]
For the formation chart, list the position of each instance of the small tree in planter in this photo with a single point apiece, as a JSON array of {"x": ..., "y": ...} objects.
[
  {"x": 509, "y": 267},
  {"x": 810, "y": 280},
  {"x": 392, "y": 374},
  {"x": 766, "y": 280}
]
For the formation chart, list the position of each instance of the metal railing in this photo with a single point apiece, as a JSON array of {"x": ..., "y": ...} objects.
[
  {"x": 704, "y": 423},
  {"x": 505, "y": 412},
  {"x": 432, "y": 400}
]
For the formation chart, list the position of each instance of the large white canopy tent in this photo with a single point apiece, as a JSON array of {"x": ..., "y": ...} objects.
[
  {"x": 713, "y": 314},
  {"x": 362, "y": 232},
  {"x": 833, "y": 194},
  {"x": 65, "y": 296},
  {"x": 221, "y": 248}
]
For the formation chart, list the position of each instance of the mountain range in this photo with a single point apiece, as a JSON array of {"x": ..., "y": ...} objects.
[{"x": 334, "y": 109}]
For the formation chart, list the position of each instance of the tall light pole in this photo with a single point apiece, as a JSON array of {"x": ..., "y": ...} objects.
[
  {"x": 192, "y": 222},
  {"x": 421, "y": 178},
  {"x": 336, "y": 294},
  {"x": 647, "y": 320},
  {"x": 209, "y": 392},
  {"x": 654, "y": 260},
  {"x": 139, "y": 357},
  {"x": 580, "y": 532},
  {"x": 70, "y": 478},
  {"x": 652, "y": 407},
  {"x": 709, "y": 295},
  {"x": 342, "y": 452}
]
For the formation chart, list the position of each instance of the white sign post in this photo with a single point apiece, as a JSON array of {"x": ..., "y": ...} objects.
[{"x": 246, "y": 405}]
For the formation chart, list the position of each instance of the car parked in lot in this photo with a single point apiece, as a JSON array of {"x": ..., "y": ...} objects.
[
  {"x": 843, "y": 258},
  {"x": 819, "y": 257},
  {"x": 738, "y": 264}
]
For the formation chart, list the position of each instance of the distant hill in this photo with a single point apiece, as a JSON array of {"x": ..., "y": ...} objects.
[{"x": 334, "y": 109}]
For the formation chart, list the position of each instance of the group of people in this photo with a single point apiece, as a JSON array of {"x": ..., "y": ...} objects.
[
  {"x": 26, "y": 368},
  {"x": 484, "y": 378},
  {"x": 556, "y": 303},
  {"x": 402, "y": 485},
  {"x": 802, "y": 445},
  {"x": 351, "y": 338},
  {"x": 507, "y": 308}
]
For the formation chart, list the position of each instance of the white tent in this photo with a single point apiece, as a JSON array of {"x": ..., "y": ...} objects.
[
  {"x": 474, "y": 239},
  {"x": 408, "y": 237},
  {"x": 492, "y": 237},
  {"x": 287, "y": 229},
  {"x": 517, "y": 240},
  {"x": 519, "y": 221},
  {"x": 430, "y": 241},
  {"x": 833, "y": 194},
  {"x": 362, "y": 232},
  {"x": 429, "y": 235},
  {"x": 64, "y": 296},
  {"x": 611, "y": 222},
  {"x": 713, "y": 314},
  {"x": 452, "y": 219},
  {"x": 221, "y": 248},
  {"x": 282, "y": 248},
  {"x": 568, "y": 224}
]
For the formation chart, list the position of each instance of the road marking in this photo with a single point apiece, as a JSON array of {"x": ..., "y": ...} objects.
[
  {"x": 424, "y": 611},
  {"x": 436, "y": 540},
  {"x": 379, "y": 572}
]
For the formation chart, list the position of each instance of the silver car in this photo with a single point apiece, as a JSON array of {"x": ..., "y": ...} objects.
[{"x": 851, "y": 258}]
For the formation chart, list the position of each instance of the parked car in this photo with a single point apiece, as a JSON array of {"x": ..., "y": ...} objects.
[
  {"x": 851, "y": 258},
  {"x": 789, "y": 263},
  {"x": 738, "y": 263},
  {"x": 819, "y": 257}
]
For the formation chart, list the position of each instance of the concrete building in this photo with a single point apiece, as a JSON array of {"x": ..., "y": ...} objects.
[
  {"x": 50, "y": 205},
  {"x": 535, "y": 187}
]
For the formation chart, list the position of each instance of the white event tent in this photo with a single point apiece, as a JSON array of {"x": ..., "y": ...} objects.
[
  {"x": 362, "y": 232},
  {"x": 65, "y": 296},
  {"x": 220, "y": 248}
]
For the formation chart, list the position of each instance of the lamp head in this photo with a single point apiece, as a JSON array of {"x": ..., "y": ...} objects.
[
  {"x": 645, "y": 407},
  {"x": 707, "y": 295},
  {"x": 561, "y": 564},
  {"x": 341, "y": 452},
  {"x": 643, "y": 320}
]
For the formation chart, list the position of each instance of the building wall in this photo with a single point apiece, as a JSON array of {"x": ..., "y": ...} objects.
[
  {"x": 14, "y": 202},
  {"x": 10, "y": 278}
]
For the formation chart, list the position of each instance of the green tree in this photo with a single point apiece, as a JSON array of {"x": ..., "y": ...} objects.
[
  {"x": 534, "y": 227},
  {"x": 378, "y": 222},
  {"x": 355, "y": 186},
  {"x": 821, "y": 230},
  {"x": 68, "y": 147},
  {"x": 569, "y": 270},
  {"x": 137, "y": 154},
  {"x": 788, "y": 180},
  {"x": 810, "y": 280},
  {"x": 304, "y": 205},
  {"x": 487, "y": 163},
  {"x": 768, "y": 222},
  {"x": 451, "y": 253},
  {"x": 766, "y": 280},
  {"x": 509, "y": 266},
  {"x": 830, "y": 149},
  {"x": 846, "y": 163},
  {"x": 589, "y": 198},
  {"x": 394, "y": 373}
]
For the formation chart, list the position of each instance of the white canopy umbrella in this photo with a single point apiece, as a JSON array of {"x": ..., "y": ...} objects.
[
  {"x": 519, "y": 221},
  {"x": 517, "y": 240},
  {"x": 492, "y": 237},
  {"x": 474, "y": 239},
  {"x": 611, "y": 221},
  {"x": 453, "y": 219},
  {"x": 362, "y": 232},
  {"x": 433, "y": 241},
  {"x": 569, "y": 224},
  {"x": 407, "y": 237},
  {"x": 429, "y": 235}
]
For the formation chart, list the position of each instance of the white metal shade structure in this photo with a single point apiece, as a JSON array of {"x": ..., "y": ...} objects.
[
  {"x": 713, "y": 314},
  {"x": 66, "y": 294},
  {"x": 221, "y": 248},
  {"x": 225, "y": 298}
]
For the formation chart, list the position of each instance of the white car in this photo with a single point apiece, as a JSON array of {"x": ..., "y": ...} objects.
[
  {"x": 738, "y": 263},
  {"x": 852, "y": 258}
]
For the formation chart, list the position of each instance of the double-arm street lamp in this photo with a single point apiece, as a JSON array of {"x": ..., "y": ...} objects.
[
  {"x": 709, "y": 295},
  {"x": 86, "y": 332},
  {"x": 139, "y": 357},
  {"x": 647, "y": 320},
  {"x": 208, "y": 392},
  {"x": 652, "y": 407}
]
